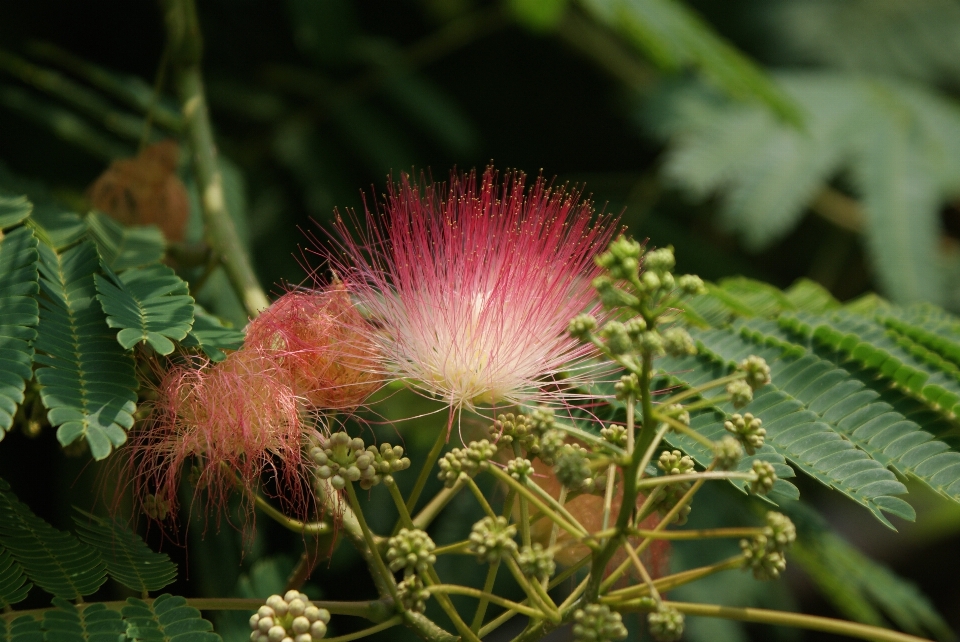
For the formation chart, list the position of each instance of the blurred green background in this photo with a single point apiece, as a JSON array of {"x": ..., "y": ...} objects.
[{"x": 775, "y": 139}]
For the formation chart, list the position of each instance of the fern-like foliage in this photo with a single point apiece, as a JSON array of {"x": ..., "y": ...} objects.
[
  {"x": 89, "y": 385},
  {"x": 125, "y": 247},
  {"x": 55, "y": 560},
  {"x": 13, "y": 583},
  {"x": 168, "y": 618},
  {"x": 127, "y": 557},
  {"x": 19, "y": 315},
  {"x": 94, "y": 623},
  {"x": 22, "y": 629},
  {"x": 13, "y": 209},
  {"x": 149, "y": 304},
  {"x": 900, "y": 143},
  {"x": 675, "y": 38},
  {"x": 861, "y": 395},
  {"x": 211, "y": 336}
]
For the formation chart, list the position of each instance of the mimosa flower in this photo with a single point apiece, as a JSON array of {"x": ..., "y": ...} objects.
[
  {"x": 234, "y": 421},
  {"x": 474, "y": 285},
  {"x": 320, "y": 339},
  {"x": 230, "y": 422}
]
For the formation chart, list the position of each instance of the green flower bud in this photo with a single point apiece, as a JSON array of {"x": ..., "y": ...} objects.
[
  {"x": 616, "y": 435},
  {"x": 659, "y": 260},
  {"x": 652, "y": 342},
  {"x": 616, "y": 337},
  {"x": 691, "y": 284},
  {"x": 535, "y": 561},
  {"x": 748, "y": 429},
  {"x": 413, "y": 594},
  {"x": 551, "y": 444},
  {"x": 492, "y": 539},
  {"x": 410, "y": 550},
  {"x": 520, "y": 468},
  {"x": 628, "y": 386},
  {"x": 676, "y": 411},
  {"x": 766, "y": 476},
  {"x": 678, "y": 342},
  {"x": 675, "y": 463},
  {"x": 464, "y": 461},
  {"x": 758, "y": 372},
  {"x": 666, "y": 624},
  {"x": 613, "y": 297},
  {"x": 573, "y": 468},
  {"x": 581, "y": 326},
  {"x": 740, "y": 393},
  {"x": 727, "y": 453},
  {"x": 635, "y": 326},
  {"x": 764, "y": 553},
  {"x": 597, "y": 623}
]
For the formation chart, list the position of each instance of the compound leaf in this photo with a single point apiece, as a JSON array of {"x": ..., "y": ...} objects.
[
  {"x": 166, "y": 619},
  {"x": 149, "y": 304},
  {"x": 127, "y": 557},
  {"x": 89, "y": 384}
]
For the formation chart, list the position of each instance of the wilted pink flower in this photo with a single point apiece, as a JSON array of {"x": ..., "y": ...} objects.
[
  {"x": 309, "y": 352},
  {"x": 230, "y": 422},
  {"x": 320, "y": 339},
  {"x": 474, "y": 286}
]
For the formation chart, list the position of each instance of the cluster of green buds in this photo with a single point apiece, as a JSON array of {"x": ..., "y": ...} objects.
[
  {"x": 614, "y": 434},
  {"x": 411, "y": 550},
  {"x": 574, "y": 471},
  {"x": 341, "y": 458},
  {"x": 291, "y": 618},
  {"x": 666, "y": 624},
  {"x": 673, "y": 462},
  {"x": 520, "y": 469},
  {"x": 597, "y": 623},
  {"x": 757, "y": 375},
  {"x": 537, "y": 561},
  {"x": 465, "y": 461},
  {"x": 766, "y": 477},
  {"x": 748, "y": 430},
  {"x": 764, "y": 553},
  {"x": 156, "y": 507},
  {"x": 491, "y": 539},
  {"x": 525, "y": 433},
  {"x": 727, "y": 453}
]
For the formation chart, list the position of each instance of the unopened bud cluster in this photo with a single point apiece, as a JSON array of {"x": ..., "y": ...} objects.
[
  {"x": 410, "y": 550},
  {"x": 573, "y": 470},
  {"x": 674, "y": 463},
  {"x": 597, "y": 623},
  {"x": 492, "y": 539},
  {"x": 525, "y": 431},
  {"x": 520, "y": 469},
  {"x": 616, "y": 435},
  {"x": 536, "y": 561},
  {"x": 666, "y": 624},
  {"x": 748, "y": 430},
  {"x": 727, "y": 453},
  {"x": 764, "y": 554},
  {"x": 291, "y": 618},
  {"x": 766, "y": 477},
  {"x": 341, "y": 458},
  {"x": 465, "y": 461}
]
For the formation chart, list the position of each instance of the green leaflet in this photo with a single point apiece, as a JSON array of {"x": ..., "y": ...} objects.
[
  {"x": 168, "y": 618},
  {"x": 95, "y": 623},
  {"x": 211, "y": 336},
  {"x": 895, "y": 357},
  {"x": 125, "y": 247},
  {"x": 19, "y": 315},
  {"x": 809, "y": 440},
  {"x": 861, "y": 415},
  {"x": 89, "y": 384},
  {"x": 13, "y": 583},
  {"x": 127, "y": 557},
  {"x": 55, "y": 560},
  {"x": 22, "y": 629},
  {"x": 676, "y": 38},
  {"x": 150, "y": 304},
  {"x": 13, "y": 209}
]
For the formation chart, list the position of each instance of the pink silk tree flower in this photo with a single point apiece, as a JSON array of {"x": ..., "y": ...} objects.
[
  {"x": 231, "y": 422},
  {"x": 322, "y": 341},
  {"x": 474, "y": 285}
]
